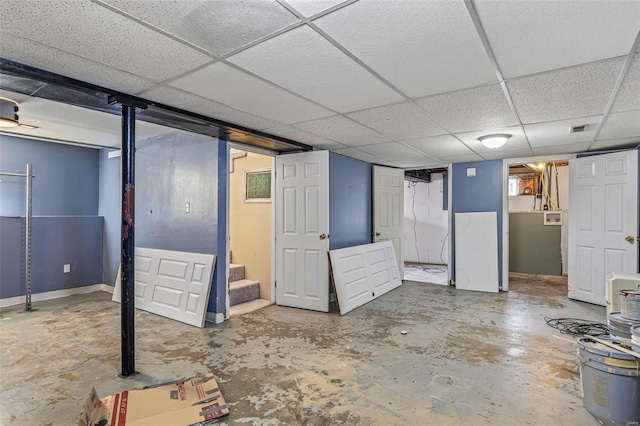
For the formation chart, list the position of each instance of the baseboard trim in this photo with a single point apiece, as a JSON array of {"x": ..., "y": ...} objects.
[{"x": 56, "y": 294}]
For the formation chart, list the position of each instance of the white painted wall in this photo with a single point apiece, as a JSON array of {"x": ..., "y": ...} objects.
[{"x": 431, "y": 223}]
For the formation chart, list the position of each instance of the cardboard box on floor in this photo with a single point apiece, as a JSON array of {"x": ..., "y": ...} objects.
[{"x": 189, "y": 402}]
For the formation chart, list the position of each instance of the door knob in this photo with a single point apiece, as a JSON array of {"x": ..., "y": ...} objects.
[
  {"x": 323, "y": 236},
  {"x": 377, "y": 234},
  {"x": 630, "y": 239}
]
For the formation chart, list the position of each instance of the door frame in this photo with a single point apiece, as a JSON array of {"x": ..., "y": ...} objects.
[
  {"x": 261, "y": 151},
  {"x": 505, "y": 204}
]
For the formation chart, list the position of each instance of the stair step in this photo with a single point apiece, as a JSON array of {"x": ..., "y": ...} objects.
[
  {"x": 241, "y": 291},
  {"x": 245, "y": 308},
  {"x": 236, "y": 272}
]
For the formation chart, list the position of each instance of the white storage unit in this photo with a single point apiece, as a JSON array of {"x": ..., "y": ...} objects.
[{"x": 614, "y": 284}]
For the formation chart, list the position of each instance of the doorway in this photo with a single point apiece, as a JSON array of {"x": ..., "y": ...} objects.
[
  {"x": 250, "y": 230},
  {"x": 538, "y": 206},
  {"x": 426, "y": 227}
]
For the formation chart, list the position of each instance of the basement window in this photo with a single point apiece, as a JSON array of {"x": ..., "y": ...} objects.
[{"x": 257, "y": 186}]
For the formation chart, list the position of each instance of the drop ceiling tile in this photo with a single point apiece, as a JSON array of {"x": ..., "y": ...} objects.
[
  {"x": 438, "y": 146},
  {"x": 421, "y": 47},
  {"x": 225, "y": 84},
  {"x": 38, "y": 55},
  {"x": 628, "y": 97},
  {"x": 393, "y": 151},
  {"x": 399, "y": 121},
  {"x": 561, "y": 149},
  {"x": 511, "y": 153},
  {"x": 189, "y": 102},
  {"x": 295, "y": 134},
  {"x": 359, "y": 155},
  {"x": 533, "y": 36},
  {"x": 310, "y": 8},
  {"x": 579, "y": 91},
  {"x": 86, "y": 29},
  {"x": 559, "y": 132},
  {"x": 516, "y": 141},
  {"x": 466, "y": 158},
  {"x": 219, "y": 27},
  {"x": 625, "y": 143},
  {"x": 343, "y": 130},
  {"x": 480, "y": 108},
  {"x": 621, "y": 125},
  {"x": 328, "y": 76}
]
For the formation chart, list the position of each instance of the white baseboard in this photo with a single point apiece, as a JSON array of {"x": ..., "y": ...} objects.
[
  {"x": 214, "y": 317},
  {"x": 56, "y": 294}
]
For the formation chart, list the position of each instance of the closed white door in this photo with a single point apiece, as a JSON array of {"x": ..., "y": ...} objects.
[
  {"x": 388, "y": 209},
  {"x": 363, "y": 273},
  {"x": 302, "y": 230},
  {"x": 173, "y": 284},
  {"x": 603, "y": 229}
]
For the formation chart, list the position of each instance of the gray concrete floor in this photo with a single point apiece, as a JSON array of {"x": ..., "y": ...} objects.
[{"x": 467, "y": 359}]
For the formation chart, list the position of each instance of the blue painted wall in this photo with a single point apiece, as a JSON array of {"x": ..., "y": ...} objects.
[
  {"x": 66, "y": 229},
  {"x": 350, "y": 216},
  {"x": 173, "y": 169},
  {"x": 66, "y": 182},
  {"x": 109, "y": 207},
  {"x": 482, "y": 193}
]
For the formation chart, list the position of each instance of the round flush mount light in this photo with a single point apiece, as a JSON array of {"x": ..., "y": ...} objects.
[
  {"x": 494, "y": 141},
  {"x": 8, "y": 113}
]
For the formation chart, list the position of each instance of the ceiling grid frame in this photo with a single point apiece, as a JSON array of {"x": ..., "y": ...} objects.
[
  {"x": 473, "y": 13},
  {"x": 614, "y": 93}
]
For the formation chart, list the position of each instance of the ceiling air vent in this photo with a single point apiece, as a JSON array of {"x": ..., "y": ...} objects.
[{"x": 578, "y": 129}]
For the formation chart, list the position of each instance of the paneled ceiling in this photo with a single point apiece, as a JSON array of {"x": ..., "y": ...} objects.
[{"x": 404, "y": 83}]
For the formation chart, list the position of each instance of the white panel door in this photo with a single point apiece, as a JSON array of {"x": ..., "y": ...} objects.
[
  {"x": 173, "y": 284},
  {"x": 388, "y": 209},
  {"x": 476, "y": 251},
  {"x": 363, "y": 273},
  {"x": 302, "y": 230},
  {"x": 603, "y": 231}
]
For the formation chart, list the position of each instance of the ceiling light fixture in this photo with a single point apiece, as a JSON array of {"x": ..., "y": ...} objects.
[
  {"x": 8, "y": 113},
  {"x": 494, "y": 141},
  {"x": 28, "y": 126}
]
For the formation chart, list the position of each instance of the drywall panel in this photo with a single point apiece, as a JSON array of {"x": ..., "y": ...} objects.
[
  {"x": 363, "y": 273},
  {"x": 534, "y": 248},
  {"x": 476, "y": 251},
  {"x": 173, "y": 284}
]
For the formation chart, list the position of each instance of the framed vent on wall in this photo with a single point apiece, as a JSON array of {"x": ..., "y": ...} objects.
[{"x": 257, "y": 186}]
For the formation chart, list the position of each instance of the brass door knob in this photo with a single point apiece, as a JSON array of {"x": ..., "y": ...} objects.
[
  {"x": 323, "y": 236},
  {"x": 630, "y": 239}
]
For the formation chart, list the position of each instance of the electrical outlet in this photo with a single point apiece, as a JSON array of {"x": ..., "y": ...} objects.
[
  {"x": 187, "y": 207},
  {"x": 67, "y": 268}
]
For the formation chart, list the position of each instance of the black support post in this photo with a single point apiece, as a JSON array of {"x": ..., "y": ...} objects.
[{"x": 128, "y": 247}]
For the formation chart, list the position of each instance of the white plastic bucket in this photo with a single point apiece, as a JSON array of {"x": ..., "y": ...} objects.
[{"x": 610, "y": 383}]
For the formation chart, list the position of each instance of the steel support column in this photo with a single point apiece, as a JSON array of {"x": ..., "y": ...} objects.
[{"x": 128, "y": 247}]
